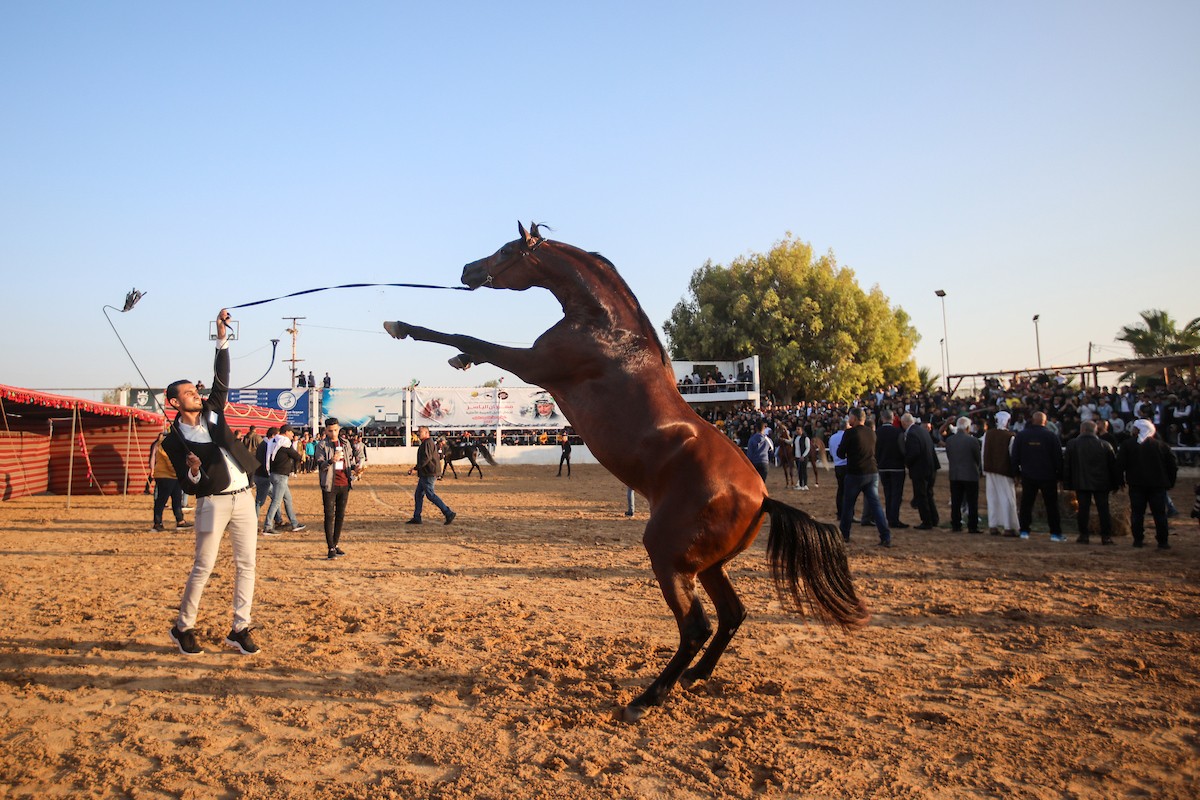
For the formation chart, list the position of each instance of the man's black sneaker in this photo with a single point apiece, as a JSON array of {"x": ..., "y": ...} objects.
[
  {"x": 271, "y": 532},
  {"x": 242, "y": 642},
  {"x": 414, "y": 521},
  {"x": 183, "y": 523},
  {"x": 333, "y": 554},
  {"x": 186, "y": 641},
  {"x": 157, "y": 527},
  {"x": 338, "y": 550},
  {"x": 298, "y": 527},
  {"x": 450, "y": 517}
]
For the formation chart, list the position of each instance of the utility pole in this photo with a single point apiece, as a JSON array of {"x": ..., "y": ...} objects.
[{"x": 294, "y": 331}]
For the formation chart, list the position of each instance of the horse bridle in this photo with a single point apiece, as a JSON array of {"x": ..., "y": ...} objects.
[{"x": 526, "y": 252}]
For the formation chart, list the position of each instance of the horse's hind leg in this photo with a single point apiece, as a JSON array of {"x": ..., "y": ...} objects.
[
  {"x": 730, "y": 615},
  {"x": 679, "y": 590}
]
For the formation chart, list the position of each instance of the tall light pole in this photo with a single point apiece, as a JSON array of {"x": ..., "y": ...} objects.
[
  {"x": 1038, "y": 336},
  {"x": 945, "y": 336},
  {"x": 942, "y": 347}
]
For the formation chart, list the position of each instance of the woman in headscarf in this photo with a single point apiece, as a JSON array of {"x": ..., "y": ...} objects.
[{"x": 998, "y": 476}]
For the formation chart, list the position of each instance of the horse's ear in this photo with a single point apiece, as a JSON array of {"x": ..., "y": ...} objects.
[
  {"x": 524, "y": 233},
  {"x": 533, "y": 230}
]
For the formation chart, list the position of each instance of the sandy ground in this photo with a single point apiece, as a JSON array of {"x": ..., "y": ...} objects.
[{"x": 491, "y": 658}]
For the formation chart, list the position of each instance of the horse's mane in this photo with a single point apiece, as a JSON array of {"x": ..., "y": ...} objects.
[{"x": 642, "y": 317}]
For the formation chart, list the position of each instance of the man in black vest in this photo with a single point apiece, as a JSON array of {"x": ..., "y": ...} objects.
[{"x": 213, "y": 464}]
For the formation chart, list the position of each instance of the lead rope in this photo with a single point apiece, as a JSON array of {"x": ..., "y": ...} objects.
[{"x": 352, "y": 286}]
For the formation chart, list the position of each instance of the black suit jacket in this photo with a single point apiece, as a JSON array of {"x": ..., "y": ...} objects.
[
  {"x": 214, "y": 472},
  {"x": 918, "y": 451}
]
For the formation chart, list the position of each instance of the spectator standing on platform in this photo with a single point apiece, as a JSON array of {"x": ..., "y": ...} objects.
[
  {"x": 327, "y": 382},
  {"x": 1090, "y": 470},
  {"x": 964, "y": 454},
  {"x": 1037, "y": 458},
  {"x": 1149, "y": 468},
  {"x": 301, "y": 381},
  {"x": 312, "y": 380}
]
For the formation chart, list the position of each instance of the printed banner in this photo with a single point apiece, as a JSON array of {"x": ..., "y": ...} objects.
[
  {"x": 143, "y": 399},
  {"x": 293, "y": 401},
  {"x": 507, "y": 407},
  {"x": 364, "y": 408}
]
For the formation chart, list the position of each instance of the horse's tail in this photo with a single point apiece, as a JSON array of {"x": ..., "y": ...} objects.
[
  {"x": 809, "y": 565},
  {"x": 487, "y": 454}
]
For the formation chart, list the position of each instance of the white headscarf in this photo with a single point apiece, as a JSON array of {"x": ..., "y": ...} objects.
[
  {"x": 273, "y": 445},
  {"x": 1002, "y": 418},
  {"x": 1144, "y": 428}
]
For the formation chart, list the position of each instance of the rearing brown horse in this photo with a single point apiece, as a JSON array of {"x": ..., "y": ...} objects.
[{"x": 707, "y": 502}]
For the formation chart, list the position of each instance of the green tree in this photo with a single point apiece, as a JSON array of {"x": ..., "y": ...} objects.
[
  {"x": 1159, "y": 335},
  {"x": 817, "y": 333}
]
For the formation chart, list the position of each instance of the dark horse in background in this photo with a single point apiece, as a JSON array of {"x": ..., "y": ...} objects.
[
  {"x": 457, "y": 451},
  {"x": 707, "y": 503}
]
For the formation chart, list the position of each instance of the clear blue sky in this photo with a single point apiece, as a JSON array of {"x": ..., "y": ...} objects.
[{"x": 1028, "y": 158}]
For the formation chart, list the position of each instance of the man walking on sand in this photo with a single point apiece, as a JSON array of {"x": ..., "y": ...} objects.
[{"x": 429, "y": 465}]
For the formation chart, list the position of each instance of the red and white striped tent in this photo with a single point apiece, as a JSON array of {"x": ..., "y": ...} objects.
[{"x": 69, "y": 445}]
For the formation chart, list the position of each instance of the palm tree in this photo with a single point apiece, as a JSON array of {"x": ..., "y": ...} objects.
[
  {"x": 1159, "y": 335},
  {"x": 927, "y": 382}
]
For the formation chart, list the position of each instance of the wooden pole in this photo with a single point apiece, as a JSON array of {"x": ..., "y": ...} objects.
[
  {"x": 125, "y": 460},
  {"x": 71, "y": 456}
]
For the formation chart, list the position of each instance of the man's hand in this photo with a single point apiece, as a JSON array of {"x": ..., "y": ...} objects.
[{"x": 223, "y": 319}]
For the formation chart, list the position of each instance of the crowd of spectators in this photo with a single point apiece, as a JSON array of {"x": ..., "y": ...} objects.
[
  {"x": 1174, "y": 408},
  {"x": 394, "y": 436},
  {"x": 716, "y": 381}
]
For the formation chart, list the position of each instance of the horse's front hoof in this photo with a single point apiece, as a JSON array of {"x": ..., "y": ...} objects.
[
  {"x": 633, "y": 713},
  {"x": 460, "y": 361},
  {"x": 397, "y": 330}
]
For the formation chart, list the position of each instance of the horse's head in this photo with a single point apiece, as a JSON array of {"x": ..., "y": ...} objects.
[{"x": 513, "y": 266}]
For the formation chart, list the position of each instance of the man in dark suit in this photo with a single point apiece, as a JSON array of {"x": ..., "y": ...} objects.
[
  {"x": 212, "y": 464},
  {"x": 889, "y": 457},
  {"x": 921, "y": 461},
  {"x": 1037, "y": 458}
]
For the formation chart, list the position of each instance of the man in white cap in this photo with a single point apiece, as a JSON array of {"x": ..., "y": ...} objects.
[
  {"x": 1149, "y": 469},
  {"x": 998, "y": 476}
]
